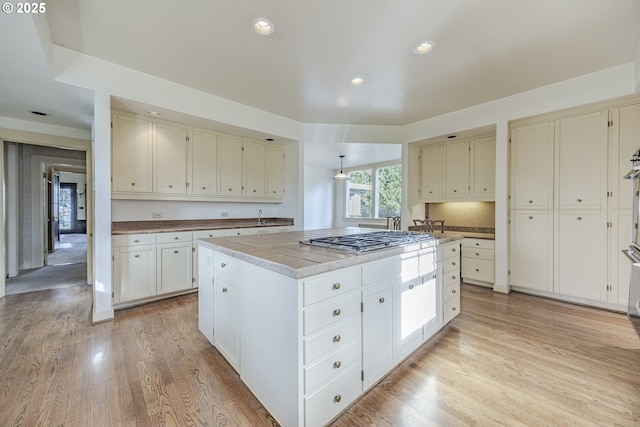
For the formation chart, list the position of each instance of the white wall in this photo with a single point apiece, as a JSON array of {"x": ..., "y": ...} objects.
[{"x": 319, "y": 198}]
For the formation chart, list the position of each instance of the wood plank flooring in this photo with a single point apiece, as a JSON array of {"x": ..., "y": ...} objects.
[{"x": 513, "y": 360}]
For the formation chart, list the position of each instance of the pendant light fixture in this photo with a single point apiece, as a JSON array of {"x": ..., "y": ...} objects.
[{"x": 341, "y": 176}]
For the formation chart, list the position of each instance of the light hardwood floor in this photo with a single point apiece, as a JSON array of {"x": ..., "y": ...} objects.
[{"x": 512, "y": 360}]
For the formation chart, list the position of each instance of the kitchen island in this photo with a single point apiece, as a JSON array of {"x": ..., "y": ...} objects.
[{"x": 311, "y": 329}]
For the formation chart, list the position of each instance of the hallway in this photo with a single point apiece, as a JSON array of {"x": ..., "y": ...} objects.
[{"x": 67, "y": 267}]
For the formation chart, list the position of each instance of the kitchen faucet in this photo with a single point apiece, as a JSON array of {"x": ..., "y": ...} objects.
[{"x": 259, "y": 215}]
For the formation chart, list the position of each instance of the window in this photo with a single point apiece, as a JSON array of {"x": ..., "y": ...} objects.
[{"x": 374, "y": 192}]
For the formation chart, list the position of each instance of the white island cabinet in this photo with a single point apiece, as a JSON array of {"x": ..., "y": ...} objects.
[{"x": 308, "y": 338}]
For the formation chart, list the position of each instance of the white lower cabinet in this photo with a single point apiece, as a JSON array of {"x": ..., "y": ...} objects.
[
  {"x": 134, "y": 272},
  {"x": 174, "y": 267},
  {"x": 307, "y": 348}
]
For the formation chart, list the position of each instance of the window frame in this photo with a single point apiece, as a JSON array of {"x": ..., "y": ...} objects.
[{"x": 373, "y": 167}]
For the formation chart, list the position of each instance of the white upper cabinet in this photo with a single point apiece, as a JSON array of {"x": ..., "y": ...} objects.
[
  {"x": 456, "y": 170},
  {"x": 157, "y": 160},
  {"x": 582, "y": 161},
  {"x": 532, "y": 166},
  {"x": 132, "y": 148},
  {"x": 275, "y": 172},
  {"x": 170, "y": 159},
  {"x": 254, "y": 169},
  {"x": 483, "y": 167},
  {"x": 431, "y": 173},
  {"x": 230, "y": 166},
  {"x": 204, "y": 163},
  {"x": 626, "y": 130}
]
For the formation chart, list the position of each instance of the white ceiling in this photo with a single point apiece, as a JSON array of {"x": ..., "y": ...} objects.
[{"x": 484, "y": 50}]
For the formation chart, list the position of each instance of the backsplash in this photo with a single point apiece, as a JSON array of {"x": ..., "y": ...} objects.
[{"x": 463, "y": 214}]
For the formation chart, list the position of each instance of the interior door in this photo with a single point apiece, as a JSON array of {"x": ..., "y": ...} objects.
[{"x": 52, "y": 183}]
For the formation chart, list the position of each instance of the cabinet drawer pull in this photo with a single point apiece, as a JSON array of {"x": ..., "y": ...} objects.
[
  {"x": 176, "y": 238},
  {"x": 579, "y": 218},
  {"x": 175, "y": 252},
  {"x": 410, "y": 286},
  {"x": 336, "y": 312},
  {"x": 337, "y": 364},
  {"x": 336, "y": 286},
  {"x": 223, "y": 265},
  {"x": 137, "y": 256},
  {"x": 136, "y": 241},
  {"x": 204, "y": 188},
  {"x": 484, "y": 189},
  {"x": 224, "y": 290},
  {"x": 530, "y": 217},
  {"x": 477, "y": 269},
  {"x": 337, "y": 399},
  {"x": 477, "y": 244},
  {"x": 530, "y": 201},
  {"x": 336, "y": 338},
  {"x": 170, "y": 186},
  {"x": 274, "y": 191},
  {"x": 381, "y": 300},
  {"x": 579, "y": 200},
  {"x": 230, "y": 189}
]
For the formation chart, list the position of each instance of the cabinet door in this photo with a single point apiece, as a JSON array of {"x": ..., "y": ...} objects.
[
  {"x": 431, "y": 173},
  {"x": 410, "y": 312},
  {"x": 626, "y": 128},
  {"x": 484, "y": 167},
  {"x": 174, "y": 267},
  {"x": 582, "y": 255},
  {"x": 204, "y": 163},
  {"x": 254, "y": 169},
  {"x": 377, "y": 331},
  {"x": 170, "y": 159},
  {"x": 132, "y": 148},
  {"x": 582, "y": 161},
  {"x": 134, "y": 272},
  {"x": 275, "y": 173},
  {"x": 229, "y": 166},
  {"x": 532, "y": 166},
  {"x": 227, "y": 319},
  {"x": 456, "y": 170},
  {"x": 531, "y": 263},
  {"x": 205, "y": 292}
]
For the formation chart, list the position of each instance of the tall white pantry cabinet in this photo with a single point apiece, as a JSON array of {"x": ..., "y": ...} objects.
[{"x": 570, "y": 208}]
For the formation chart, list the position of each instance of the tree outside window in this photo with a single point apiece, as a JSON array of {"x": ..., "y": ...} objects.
[{"x": 374, "y": 192}]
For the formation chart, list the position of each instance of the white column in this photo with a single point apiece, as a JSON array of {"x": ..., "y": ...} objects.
[
  {"x": 502, "y": 208},
  {"x": 101, "y": 162}
]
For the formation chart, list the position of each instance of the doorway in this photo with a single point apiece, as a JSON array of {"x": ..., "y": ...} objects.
[{"x": 51, "y": 238}]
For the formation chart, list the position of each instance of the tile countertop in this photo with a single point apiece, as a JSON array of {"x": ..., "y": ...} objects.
[
  {"x": 284, "y": 254},
  {"x": 166, "y": 226}
]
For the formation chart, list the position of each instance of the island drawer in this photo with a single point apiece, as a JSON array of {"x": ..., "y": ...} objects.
[
  {"x": 451, "y": 291},
  {"x": 134, "y": 239},
  {"x": 226, "y": 264},
  {"x": 183, "y": 236},
  {"x": 451, "y": 308},
  {"x": 451, "y": 278},
  {"x": 449, "y": 250},
  {"x": 331, "y": 312},
  {"x": 328, "y": 401},
  {"x": 451, "y": 264},
  {"x": 377, "y": 271},
  {"x": 331, "y": 366},
  {"x": 331, "y": 339},
  {"x": 331, "y": 285}
]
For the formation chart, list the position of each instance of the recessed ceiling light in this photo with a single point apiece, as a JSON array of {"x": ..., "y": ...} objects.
[
  {"x": 423, "y": 47},
  {"x": 263, "y": 26},
  {"x": 39, "y": 113},
  {"x": 153, "y": 113},
  {"x": 357, "y": 81}
]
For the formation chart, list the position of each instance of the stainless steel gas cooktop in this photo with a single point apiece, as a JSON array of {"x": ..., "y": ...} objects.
[{"x": 367, "y": 242}]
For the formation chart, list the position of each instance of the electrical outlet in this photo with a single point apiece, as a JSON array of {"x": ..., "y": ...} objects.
[
  {"x": 224, "y": 214},
  {"x": 157, "y": 215}
]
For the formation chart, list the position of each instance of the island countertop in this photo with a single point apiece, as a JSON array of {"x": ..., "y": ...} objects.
[{"x": 283, "y": 252}]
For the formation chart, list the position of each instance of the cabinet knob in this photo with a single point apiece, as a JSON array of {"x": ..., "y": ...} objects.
[
  {"x": 453, "y": 309},
  {"x": 336, "y": 312},
  {"x": 381, "y": 300},
  {"x": 176, "y": 238},
  {"x": 410, "y": 286},
  {"x": 137, "y": 256},
  {"x": 336, "y": 338},
  {"x": 175, "y": 252},
  {"x": 484, "y": 189},
  {"x": 336, "y": 286},
  {"x": 224, "y": 290},
  {"x": 254, "y": 191},
  {"x": 530, "y": 217},
  {"x": 337, "y": 399},
  {"x": 210, "y": 235},
  {"x": 430, "y": 192},
  {"x": 453, "y": 249},
  {"x": 230, "y": 189},
  {"x": 223, "y": 265},
  {"x": 455, "y": 191},
  {"x": 530, "y": 201},
  {"x": 204, "y": 188},
  {"x": 133, "y": 184},
  {"x": 579, "y": 218},
  {"x": 274, "y": 191},
  {"x": 453, "y": 277},
  {"x": 453, "y": 291},
  {"x": 579, "y": 200},
  {"x": 477, "y": 269},
  {"x": 136, "y": 241},
  {"x": 453, "y": 263},
  {"x": 477, "y": 244},
  {"x": 337, "y": 364},
  {"x": 170, "y": 186},
  {"x": 477, "y": 254}
]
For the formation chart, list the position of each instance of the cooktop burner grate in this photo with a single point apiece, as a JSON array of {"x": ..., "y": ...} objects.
[{"x": 366, "y": 242}]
